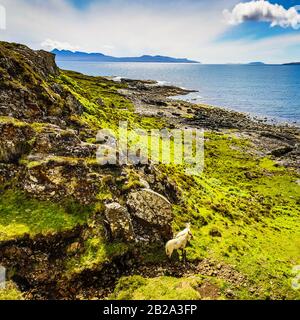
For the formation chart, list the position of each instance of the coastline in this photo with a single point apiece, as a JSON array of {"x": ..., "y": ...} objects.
[
  {"x": 226, "y": 86},
  {"x": 278, "y": 140},
  {"x": 186, "y": 92}
]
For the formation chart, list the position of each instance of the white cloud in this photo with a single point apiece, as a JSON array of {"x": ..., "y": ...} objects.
[
  {"x": 262, "y": 10},
  {"x": 50, "y": 44},
  {"x": 131, "y": 28},
  {"x": 108, "y": 47},
  {"x": 187, "y": 30}
]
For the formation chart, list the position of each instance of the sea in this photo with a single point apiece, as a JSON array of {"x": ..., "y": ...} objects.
[{"x": 269, "y": 92}]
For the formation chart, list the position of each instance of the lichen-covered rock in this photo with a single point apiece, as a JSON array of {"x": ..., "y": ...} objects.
[
  {"x": 14, "y": 141},
  {"x": 152, "y": 213},
  {"x": 61, "y": 178},
  {"x": 119, "y": 221},
  {"x": 51, "y": 139}
]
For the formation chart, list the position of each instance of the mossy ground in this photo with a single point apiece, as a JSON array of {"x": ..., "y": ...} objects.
[
  {"x": 104, "y": 106},
  {"x": 251, "y": 204},
  {"x": 96, "y": 253}
]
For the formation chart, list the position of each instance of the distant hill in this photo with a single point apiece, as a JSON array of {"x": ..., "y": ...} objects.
[
  {"x": 256, "y": 63},
  {"x": 291, "y": 63},
  {"x": 65, "y": 55}
]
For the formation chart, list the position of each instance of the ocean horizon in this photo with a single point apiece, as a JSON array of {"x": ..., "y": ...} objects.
[{"x": 264, "y": 91}]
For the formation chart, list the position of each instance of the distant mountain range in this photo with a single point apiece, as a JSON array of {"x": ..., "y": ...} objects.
[
  {"x": 65, "y": 55},
  {"x": 291, "y": 63},
  {"x": 256, "y": 63}
]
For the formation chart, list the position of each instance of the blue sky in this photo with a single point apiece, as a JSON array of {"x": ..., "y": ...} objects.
[
  {"x": 81, "y": 4},
  {"x": 197, "y": 29}
]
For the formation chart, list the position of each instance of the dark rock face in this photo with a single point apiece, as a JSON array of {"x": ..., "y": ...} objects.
[
  {"x": 214, "y": 232},
  {"x": 14, "y": 141},
  {"x": 8, "y": 172},
  {"x": 282, "y": 151},
  {"x": 42, "y": 62}
]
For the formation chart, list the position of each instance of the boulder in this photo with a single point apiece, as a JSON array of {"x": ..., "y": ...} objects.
[
  {"x": 119, "y": 221},
  {"x": 153, "y": 212}
]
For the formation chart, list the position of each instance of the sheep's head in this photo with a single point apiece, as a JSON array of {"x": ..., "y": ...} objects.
[{"x": 190, "y": 235}]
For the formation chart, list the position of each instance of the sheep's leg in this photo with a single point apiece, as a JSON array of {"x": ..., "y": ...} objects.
[{"x": 184, "y": 255}]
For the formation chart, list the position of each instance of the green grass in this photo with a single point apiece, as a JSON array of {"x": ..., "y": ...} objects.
[
  {"x": 257, "y": 217},
  {"x": 20, "y": 215},
  {"x": 160, "y": 288}
]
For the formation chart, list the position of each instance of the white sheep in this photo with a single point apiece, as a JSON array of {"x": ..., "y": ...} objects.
[{"x": 179, "y": 242}]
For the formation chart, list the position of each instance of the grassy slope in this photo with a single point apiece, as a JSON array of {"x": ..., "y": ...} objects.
[{"x": 258, "y": 218}]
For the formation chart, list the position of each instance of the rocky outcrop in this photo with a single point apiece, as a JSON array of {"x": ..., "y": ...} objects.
[
  {"x": 50, "y": 162},
  {"x": 119, "y": 221},
  {"x": 42, "y": 62},
  {"x": 27, "y": 89},
  {"x": 62, "y": 179},
  {"x": 51, "y": 139},
  {"x": 147, "y": 219}
]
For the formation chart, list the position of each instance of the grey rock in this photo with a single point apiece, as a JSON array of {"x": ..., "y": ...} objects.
[
  {"x": 119, "y": 221},
  {"x": 152, "y": 210}
]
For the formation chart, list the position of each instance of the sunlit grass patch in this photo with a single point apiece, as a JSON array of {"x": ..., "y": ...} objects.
[
  {"x": 160, "y": 288},
  {"x": 20, "y": 215}
]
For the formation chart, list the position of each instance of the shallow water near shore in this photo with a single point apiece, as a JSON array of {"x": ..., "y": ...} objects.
[{"x": 270, "y": 91}]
